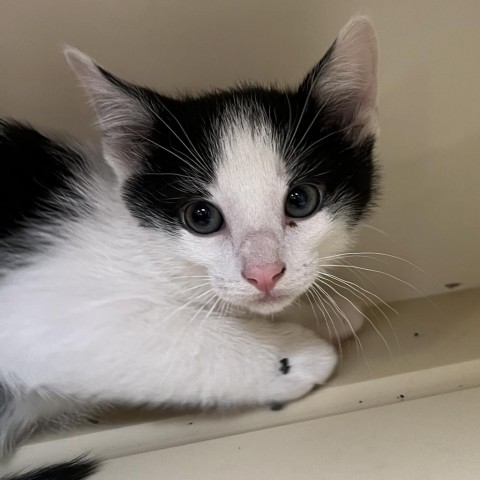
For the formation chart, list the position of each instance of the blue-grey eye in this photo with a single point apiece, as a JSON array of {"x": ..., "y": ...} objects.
[
  {"x": 302, "y": 201},
  {"x": 202, "y": 217}
]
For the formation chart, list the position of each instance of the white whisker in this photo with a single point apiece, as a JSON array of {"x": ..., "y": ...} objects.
[
  {"x": 372, "y": 324},
  {"x": 342, "y": 315},
  {"x": 332, "y": 322},
  {"x": 388, "y": 275}
]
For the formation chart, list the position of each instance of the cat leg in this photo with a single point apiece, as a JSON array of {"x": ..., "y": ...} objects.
[
  {"x": 280, "y": 363},
  {"x": 220, "y": 361},
  {"x": 224, "y": 362},
  {"x": 22, "y": 414}
]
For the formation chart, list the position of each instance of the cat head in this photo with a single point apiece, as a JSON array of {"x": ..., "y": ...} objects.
[{"x": 258, "y": 187}]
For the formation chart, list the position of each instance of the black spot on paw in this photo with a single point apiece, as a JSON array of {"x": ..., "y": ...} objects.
[
  {"x": 284, "y": 366},
  {"x": 276, "y": 406}
]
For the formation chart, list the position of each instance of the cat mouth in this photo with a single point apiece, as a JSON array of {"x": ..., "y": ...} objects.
[{"x": 270, "y": 302}]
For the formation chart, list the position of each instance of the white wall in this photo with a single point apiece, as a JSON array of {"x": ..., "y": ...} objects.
[{"x": 429, "y": 94}]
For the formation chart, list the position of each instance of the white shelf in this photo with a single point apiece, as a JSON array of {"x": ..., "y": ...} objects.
[{"x": 434, "y": 438}]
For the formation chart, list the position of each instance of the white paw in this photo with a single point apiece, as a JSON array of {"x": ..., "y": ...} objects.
[{"x": 306, "y": 361}]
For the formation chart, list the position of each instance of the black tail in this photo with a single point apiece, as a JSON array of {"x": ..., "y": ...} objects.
[{"x": 76, "y": 469}]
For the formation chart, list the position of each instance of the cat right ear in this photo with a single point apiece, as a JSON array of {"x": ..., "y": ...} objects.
[
  {"x": 344, "y": 83},
  {"x": 122, "y": 110}
]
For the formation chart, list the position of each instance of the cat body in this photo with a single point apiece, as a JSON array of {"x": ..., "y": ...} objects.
[{"x": 149, "y": 273}]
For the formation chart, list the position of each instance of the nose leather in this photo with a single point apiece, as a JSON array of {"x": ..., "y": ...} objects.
[{"x": 264, "y": 277}]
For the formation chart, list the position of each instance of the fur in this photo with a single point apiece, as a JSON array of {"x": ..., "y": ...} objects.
[
  {"x": 76, "y": 469},
  {"x": 106, "y": 296}
]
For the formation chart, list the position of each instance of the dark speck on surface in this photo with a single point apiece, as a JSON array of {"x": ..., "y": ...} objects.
[
  {"x": 416, "y": 334},
  {"x": 190, "y": 423},
  {"x": 401, "y": 397},
  {"x": 276, "y": 406},
  {"x": 360, "y": 401}
]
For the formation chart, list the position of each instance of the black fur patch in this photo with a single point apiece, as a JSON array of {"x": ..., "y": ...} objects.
[
  {"x": 181, "y": 151},
  {"x": 179, "y": 164},
  {"x": 33, "y": 171},
  {"x": 76, "y": 469}
]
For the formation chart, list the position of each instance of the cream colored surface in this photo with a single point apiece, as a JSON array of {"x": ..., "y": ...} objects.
[
  {"x": 443, "y": 357},
  {"x": 429, "y": 99},
  {"x": 425, "y": 439}
]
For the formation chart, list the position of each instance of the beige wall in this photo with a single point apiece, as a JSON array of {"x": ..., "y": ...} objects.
[{"x": 429, "y": 94}]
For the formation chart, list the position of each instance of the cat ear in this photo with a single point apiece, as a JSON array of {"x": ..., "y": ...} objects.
[
  {"x": 122, "y": 109},
  {"x": 344, "y": 83}
]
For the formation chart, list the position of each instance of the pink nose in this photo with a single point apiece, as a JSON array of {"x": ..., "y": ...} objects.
[{"x": 264, "y": 277}]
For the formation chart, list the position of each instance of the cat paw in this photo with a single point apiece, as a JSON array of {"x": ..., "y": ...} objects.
[{"x": 305, "y": 361}]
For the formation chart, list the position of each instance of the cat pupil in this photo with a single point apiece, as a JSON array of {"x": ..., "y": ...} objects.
[
  {"x": 298, "y": 198},
  {"x": 202, "y": 216}
]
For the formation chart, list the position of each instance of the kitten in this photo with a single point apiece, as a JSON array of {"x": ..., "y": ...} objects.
[{"x": 134, "y": 279}]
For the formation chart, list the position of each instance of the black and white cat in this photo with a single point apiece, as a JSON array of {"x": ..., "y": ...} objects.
[{"x": 134, "y": 279}]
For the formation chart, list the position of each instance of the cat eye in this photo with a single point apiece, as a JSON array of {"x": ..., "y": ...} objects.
[
  {"x": 202, "y": 217},
  {"x": 302, "y": 200}
]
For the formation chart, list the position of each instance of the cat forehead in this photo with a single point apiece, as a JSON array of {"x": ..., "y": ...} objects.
[
  {"x": 249, "y": 154},
  {"x": 251, "y": 177}
]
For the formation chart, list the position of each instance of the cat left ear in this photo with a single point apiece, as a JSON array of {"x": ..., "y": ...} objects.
[
  {"x": 344, "y": 83},
  {"x": 122, "y": 109}
]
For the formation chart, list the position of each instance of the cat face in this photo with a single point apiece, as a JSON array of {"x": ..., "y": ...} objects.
[
  {"x": 257, "y": 187},
  {"x": 276, "y": 222}
]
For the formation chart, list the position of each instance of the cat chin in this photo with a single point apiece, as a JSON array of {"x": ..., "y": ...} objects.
[{"x": 267, "y": 306}]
